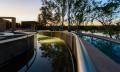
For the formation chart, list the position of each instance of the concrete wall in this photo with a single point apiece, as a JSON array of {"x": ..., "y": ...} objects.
[
  {"x": 69, "y": 38},
  {"x": 2, "y": 25},
  {"x": 11, "y": 48},
  {"x": 87, "y": 57},
  {"x": 73, "y": 42}
]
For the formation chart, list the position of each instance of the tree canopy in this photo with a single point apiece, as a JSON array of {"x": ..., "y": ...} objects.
[{"x": 104, "y": 11}]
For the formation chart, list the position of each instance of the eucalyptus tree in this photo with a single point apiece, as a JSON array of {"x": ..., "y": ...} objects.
[
  {"x": 59, "y": 7},
  {"x": 80, "y": 9},
  {"x": 62, "y": 7},
  {"x": 90, "y": 10},
  {"x": 83, "y": 10},
  {"x": 105, "y": 12},
  {"x": 54, "y": 8},
  {"x": 46, "y": 13}
]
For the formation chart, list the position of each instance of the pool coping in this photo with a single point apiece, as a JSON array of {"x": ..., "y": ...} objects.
[
  {"x": 102, "y": 62},
  {"x": 16, "y": 38}
]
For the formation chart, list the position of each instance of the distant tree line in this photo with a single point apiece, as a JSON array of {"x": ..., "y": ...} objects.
[{"x": 79, "y": 11}]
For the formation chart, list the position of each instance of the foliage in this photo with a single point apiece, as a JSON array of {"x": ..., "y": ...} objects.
[
  {"x": 105, "y": 12},
  {"x": 82, "y": 11},
  {"x": 45, "y": 15}
]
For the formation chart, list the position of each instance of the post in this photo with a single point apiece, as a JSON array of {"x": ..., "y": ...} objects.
[{"x": 13, "y": 24}]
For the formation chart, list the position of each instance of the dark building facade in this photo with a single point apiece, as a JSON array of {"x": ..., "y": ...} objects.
[{"x": 29, "y": 25}]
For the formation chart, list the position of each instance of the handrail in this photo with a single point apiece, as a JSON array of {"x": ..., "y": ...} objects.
[{"x": 84, "y": 61}]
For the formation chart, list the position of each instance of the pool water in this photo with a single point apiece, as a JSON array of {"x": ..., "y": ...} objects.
[
  {"x": 110, "y": 34},
  {"x": 49, "y": 55},
  {"x": 18, "y": 62},
  {"x": 111, "y": 49}
]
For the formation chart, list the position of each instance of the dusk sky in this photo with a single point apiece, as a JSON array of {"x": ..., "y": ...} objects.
[{"x": 21, "y": 9}]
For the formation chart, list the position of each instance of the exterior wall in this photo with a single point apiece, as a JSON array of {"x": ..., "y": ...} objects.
[
  {"x": 14, "y": 47},
  {"x": 66, "y": 36},
  {"x": 2, "y": 25},
  {"x": 73, "y": 42},
  {"x": 87, "y": 57},
  {"x": 31, "y": 25},
  {"x": 81, "y": 58}
]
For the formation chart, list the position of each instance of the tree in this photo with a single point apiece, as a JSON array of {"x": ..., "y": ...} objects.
[
  {"x": 83, "y": 11},
  {"x": 79, "y": 10},
  {"x": 45, "y": 15},
  {"x": 62, "y": 7},
  {"x": 104, "y": 12}
]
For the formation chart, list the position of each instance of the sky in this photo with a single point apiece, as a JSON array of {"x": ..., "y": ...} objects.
[{"x": 21, "y": 9}]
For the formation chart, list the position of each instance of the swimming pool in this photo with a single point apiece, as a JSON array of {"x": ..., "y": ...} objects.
[
  {"x": 109, "y": 48},
  {"x": 49, "y": 55}
]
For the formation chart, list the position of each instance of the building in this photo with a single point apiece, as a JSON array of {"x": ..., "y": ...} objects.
[
  {"x": 31, "y": 25},
  {"x": 6, "y": 25},
  {"x": 2, "y": 25}
]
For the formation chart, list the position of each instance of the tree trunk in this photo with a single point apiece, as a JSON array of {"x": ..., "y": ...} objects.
[
  {"x": 69, "y": 4},
  {"x": 62, "y": 22}
]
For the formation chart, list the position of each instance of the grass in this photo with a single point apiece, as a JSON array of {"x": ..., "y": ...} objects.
[{"x": 46, "y": 39}]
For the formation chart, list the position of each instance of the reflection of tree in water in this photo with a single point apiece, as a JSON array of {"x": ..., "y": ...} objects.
[
  {"x": 105, "y": 46},
  {"x": 117, "y": 35},
  {"x": 112, "y": 34},
  {"x": 109, "y": 33},
  {"x": 59, "y": 56}
]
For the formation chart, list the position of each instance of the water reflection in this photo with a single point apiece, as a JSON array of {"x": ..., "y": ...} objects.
[
  {"x": 58, "y": 57},
  {"x": 52, "y": 56},
  {"x": 110, "y": 49},
  {"x": 48, "y": 56},
  {"x": 106, "y": 33},
  {"x": 17, "y": 63}
]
